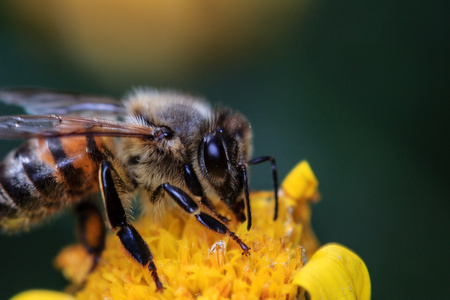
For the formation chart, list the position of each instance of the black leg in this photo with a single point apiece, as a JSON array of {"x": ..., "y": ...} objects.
[
  {"x": 129, "y": 237},
  {"x": 192, "y": 181},
  {"x": 91, "y": 229},
  {"x": 190, "y": 206},
  {"x": 261, "y": 159},
  {"x": 247, "y": 197},
  {"x": 196, "y": 189},
  {"x": 205, "y": 201}
]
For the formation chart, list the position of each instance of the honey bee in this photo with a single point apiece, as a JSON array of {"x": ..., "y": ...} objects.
[{"x": 168, "y": 146}]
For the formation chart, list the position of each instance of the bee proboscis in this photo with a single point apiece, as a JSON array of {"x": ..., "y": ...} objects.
[{"x": 171, "y": 147}]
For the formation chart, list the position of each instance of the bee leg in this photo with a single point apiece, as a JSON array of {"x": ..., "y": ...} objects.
[
  {"x": 211, "y": 207},
  {"x": 190, "y": 206},
  {"x": 261, "y": 159},
  {"x": 91, "y": 229},
  {"x": 128, "y": 235},
  {"x": 195, "y": 188}
]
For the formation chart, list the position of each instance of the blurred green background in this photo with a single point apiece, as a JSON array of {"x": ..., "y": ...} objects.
[{"x": 359, "y": 89}]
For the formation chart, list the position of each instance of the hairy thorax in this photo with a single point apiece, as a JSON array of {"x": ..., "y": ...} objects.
[
  {"x": 178, "y": 118},
  {"x": 150, "y": 164}
]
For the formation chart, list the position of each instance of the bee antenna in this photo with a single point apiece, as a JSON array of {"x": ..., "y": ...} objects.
[
  {"x": 247, "y": 197},
  {"x": 261, "y": 159}
]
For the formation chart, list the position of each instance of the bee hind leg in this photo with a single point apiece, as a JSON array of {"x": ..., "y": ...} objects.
[
  {"x": 128, "y": 235},
  {"x": 190, "y": 206},
  {"x": 91, "y": 229}
]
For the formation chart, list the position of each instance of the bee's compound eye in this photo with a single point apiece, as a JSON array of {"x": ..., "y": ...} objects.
[{"x": 214, "y": 156}]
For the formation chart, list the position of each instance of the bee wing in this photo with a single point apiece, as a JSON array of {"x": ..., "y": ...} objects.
[
  {"x": 43, "y": 102},
  {"x": 22, "y": 127}
]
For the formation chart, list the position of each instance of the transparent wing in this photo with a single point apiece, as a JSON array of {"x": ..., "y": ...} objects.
[
  {"x": 44, "y": 102},
  {"x": 22, "y": 127}
]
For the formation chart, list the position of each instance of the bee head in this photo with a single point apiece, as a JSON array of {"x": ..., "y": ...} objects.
[{"x": 222, "y": 154}]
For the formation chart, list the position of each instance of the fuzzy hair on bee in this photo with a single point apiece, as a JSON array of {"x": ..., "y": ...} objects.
[
  {"x": 186, "y": 120},
  {"x": 167, "y": 147}
]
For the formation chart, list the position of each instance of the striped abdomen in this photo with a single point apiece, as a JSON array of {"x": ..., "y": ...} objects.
[{"x": 45, "y": 175}]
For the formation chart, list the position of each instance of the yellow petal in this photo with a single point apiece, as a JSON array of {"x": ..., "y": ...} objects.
[
  {"x": 335, "y": 272},
  {"x": 299, "y": 189},
  {"x": 42, "y": 295},
  {"x": 300, "y": 183}
]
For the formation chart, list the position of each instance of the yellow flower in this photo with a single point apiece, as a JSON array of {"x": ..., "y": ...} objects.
[{"x": 194, "y": 262}]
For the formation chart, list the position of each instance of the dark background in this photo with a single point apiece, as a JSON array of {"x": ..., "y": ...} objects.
[{"x": 360, "y": 90}]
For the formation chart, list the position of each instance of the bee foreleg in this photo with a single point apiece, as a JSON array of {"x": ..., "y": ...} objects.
[
  {"x": 210, "y": 205},
  {"x": 128, "y": 235},
  {"x": 196, "y": 189},
  {"x": 91, "y": 229},
  {"x": 190, "y": 206}
]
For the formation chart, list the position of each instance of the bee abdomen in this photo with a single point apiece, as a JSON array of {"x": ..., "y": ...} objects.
[
  {"x": 44, "y": 176},
  {"x": 21, "y": 202}
]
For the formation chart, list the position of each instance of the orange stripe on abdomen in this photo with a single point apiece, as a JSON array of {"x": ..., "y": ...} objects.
[{"x": 74, "y": 165}]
